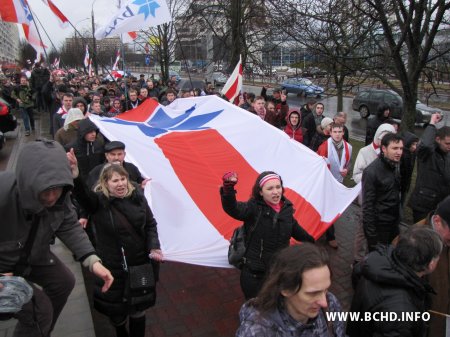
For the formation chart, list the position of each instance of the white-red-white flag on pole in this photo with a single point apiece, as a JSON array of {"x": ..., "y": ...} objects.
[
  {"x": 63, "y": 21},
  {"x": 135, "y": 15},
  {"x": 233, "y": 87},
  {"x": 19, "y": 12},
  {"x": 86, "y": 57},
  {"x": 56, "y": 63},
  {"x": 116, "y": 63},
  {"x": 91, "y": 71}
]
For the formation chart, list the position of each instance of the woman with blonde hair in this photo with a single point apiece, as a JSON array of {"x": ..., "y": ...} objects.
[{"x": 126, "y": 236}]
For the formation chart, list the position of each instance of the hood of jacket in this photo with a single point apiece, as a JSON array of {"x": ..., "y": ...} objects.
[
  {"x": 409, "y": 138},
  {"x": 382, "y": 266},
  {"x": 382, "y": 129},
  {"x": 84, "y": 127},
  {"x": 288, "y": 119},
  {"x": 41, "y": 164}
]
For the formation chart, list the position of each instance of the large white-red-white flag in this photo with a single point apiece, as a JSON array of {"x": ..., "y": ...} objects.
[
  {"x": 116, "y": 62},
  {"x": 185, "y": 149},
  {"x": 233, "y": 87},
  {"x": 135, "y": 15},
  {"x": 63, "y": 21}
]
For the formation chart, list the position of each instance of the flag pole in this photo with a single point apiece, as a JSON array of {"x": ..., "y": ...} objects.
[
  {"x": 37, "y": 30},
  {"x": 45, "y": 31},
  {"x": 182, "y": 54}
]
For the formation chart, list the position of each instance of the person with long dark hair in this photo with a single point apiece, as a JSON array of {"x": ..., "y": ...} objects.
[
  {"x": 268, "y": 221},
  {"x": 294, "y": 298}
]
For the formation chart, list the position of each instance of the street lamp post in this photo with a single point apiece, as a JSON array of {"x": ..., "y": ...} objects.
[{"x": 94, "y": 42}]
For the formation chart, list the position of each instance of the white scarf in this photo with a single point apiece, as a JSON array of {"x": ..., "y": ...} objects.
[{"x": 338, "y": 164}]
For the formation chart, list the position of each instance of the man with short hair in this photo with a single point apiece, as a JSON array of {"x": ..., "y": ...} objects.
[
  {"x": 35, "y": 207},
  {"x": 307, "y": 108},
  {"x": 60, "y": 116},
  {"x": 152, "y": 91},
  {"x": 258, "y": 107},
  {"x": 381, "y": 193},
  {"x": 96, "y": 108},
  {"x": 390, "y": 281},
  {"x": 133, "y": 101},
  {"x": 365, "y": 157},
  {"x": 171, "y": 95},
  {"x": 143, "y": 94},
  {"x": 338, "y": 154},
  {"x": 115, "y": 154},
  {"x": 341, "y": 118},
  {"x": 433, "y": 169},
  {"x": 22, "y": 95},
  {"x": 312, "y": 122},
  {"x": 439, "y": 221}
]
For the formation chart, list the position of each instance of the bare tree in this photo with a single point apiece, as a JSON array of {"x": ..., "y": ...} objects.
[
  {"x": 163, "y": 37},
  {"x": 409, "y": 30},
  {"x": 240, "y": 27}
]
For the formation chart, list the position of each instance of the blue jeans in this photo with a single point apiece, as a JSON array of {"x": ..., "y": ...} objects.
[{"x": 27, "y": 117}]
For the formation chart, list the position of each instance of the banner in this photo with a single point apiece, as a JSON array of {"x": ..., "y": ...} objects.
[
  {"x": 86, "y": 57},
  {"x": 186, "y": 147},
  {"x": 136, "y": 15},
  {"x": 116, "y": 62}
]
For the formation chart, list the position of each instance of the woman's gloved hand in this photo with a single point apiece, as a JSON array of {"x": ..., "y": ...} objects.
[{"x": 229, "y": 180}]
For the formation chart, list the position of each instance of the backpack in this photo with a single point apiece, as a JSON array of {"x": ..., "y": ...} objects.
[{"x": 239, "y": 242}]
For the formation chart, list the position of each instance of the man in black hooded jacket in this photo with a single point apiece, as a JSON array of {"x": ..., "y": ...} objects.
[{"x": 390, "y": 282}]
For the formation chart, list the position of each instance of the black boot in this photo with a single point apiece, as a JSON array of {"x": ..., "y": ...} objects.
[
  {"x": 137, "y": 327},
  {"x": 121, "y": 330}
]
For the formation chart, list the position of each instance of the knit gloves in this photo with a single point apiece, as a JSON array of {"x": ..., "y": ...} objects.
[{"x": 229, "y": 180}]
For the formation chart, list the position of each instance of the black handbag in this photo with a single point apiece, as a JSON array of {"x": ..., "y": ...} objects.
[
  {"x": 239, "y": 243},
  {"x": 140, "y": 286}
]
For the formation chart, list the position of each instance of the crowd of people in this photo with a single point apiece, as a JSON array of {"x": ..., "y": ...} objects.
[{"x": 82, "y": 191}]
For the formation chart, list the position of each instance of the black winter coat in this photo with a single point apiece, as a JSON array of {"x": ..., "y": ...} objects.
[
  {"x": 433, "y": 174},
  {"x": 309, "y": 123},
  {"x": 386, "y": 285},
  {"x": 407, "y": 162},
  {"x": 372, "y": 125},
  {"x": 381, "y": 202},
  {"x": 273, "y": 230},
  {"x": 89, "y": 154},
  {"x": 111, "y": 232}
]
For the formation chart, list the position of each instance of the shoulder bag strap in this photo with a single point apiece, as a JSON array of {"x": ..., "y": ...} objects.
[{"x": 127, "y": 225}]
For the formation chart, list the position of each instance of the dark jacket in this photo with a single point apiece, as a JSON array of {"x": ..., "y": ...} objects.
[
  {"x": 381, "y": 202},
  {"x": 278, "y": 323},
  {"x": 433, "y": 174},
  {"x": 89, "y": 154},
  {"x": 372, "y": 125},
  {"x": 386, "y": 285},
  {"x": 305, "y": 111},
  {"x": 133, "y": 172},
  {"x": 41, "y": 165},
  {"x": 407, "y": 162},
  {"x": 111, "y": 232},
  {"x": 309, "y": 124},
  {"x": 273, "y": 230},
  {"x": 39, "y": 77},
  {"x": 439, "y": 281}
]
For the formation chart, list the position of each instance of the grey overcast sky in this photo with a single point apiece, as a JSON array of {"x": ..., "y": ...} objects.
[{"x": 77, "y": 11}]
